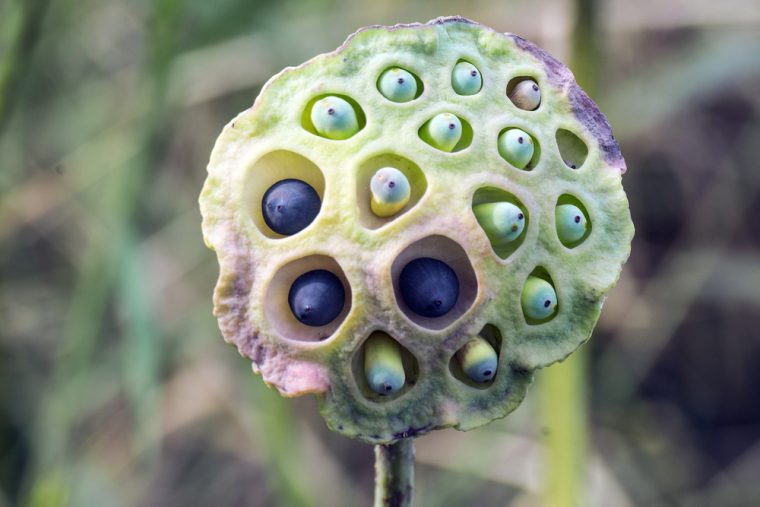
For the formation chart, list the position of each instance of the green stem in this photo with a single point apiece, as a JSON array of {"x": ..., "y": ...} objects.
[{"x": 394, "y": 474}]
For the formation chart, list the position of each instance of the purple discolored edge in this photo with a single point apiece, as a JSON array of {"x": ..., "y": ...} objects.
[{"x": 583, "y": 107}]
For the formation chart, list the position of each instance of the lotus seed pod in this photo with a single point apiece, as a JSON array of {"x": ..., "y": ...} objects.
[
  {"x": 397, "y": 85},
  {"x": 571, "y": 223},
  {"x": 390, "y": 191},
  {"x": 479, "y": 283},
  {"x": 539, "y": 300},
  {"x": 443, "y": 131},
  {"x": 334, "y": 118},
  {"x": 382, "y": 364},
  {"x": 526, "y": 95},
  {"x": 478, "y": 360},
  {"x": 289, "y": 206},
  {"x": 502, "y": 221},
  {"x": 516, "y": 147},
  {"x": 465, "y": 79}
]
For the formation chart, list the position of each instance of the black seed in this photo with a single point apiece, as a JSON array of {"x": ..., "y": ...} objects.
[
  {"x": 577, "y": 219},
  {"x": 289, "y": 206},
  {"x": 429, "y": 287},
  {"x": 316, "y": 297}
]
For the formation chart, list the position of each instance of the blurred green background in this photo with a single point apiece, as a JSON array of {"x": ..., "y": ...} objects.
[{"x": 116, "y": 388}]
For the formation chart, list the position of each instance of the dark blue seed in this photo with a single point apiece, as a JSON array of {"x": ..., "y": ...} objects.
[
  {"x": 429, "y": 287},
  {"x": 316, "y": 298},
  {"x": 289, "y": 206}
]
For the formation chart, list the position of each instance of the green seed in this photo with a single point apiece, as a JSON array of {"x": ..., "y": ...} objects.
[
  {"x": 503, "y": 222},
  {"x": 539, "y": 300},
  {"x": 466, "y": 79},
  {"x": 397, "y": 85},
  {"x": 571, "y": 223},
  {"x": 478, "y": 360},
  {"x": 516, "y": 147},
  {"x": 526, "y": 95},
  {"x": 443, "y": 131},
  {"x": 334, "y": 118},
  {"x": 390, "y": 191},
  {"x": 382, "y": 364}
]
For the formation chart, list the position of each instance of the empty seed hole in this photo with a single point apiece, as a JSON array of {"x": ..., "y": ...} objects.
[
  {"x": 572, "y": 149},
  {"x": 539, "y": 297},
  {"x": 467, "y": 357},
  {"x": 572, "y": 221},
  {"x": 413, "y": 174},
  {"x": 383, "y": 369},
  {"x": 278, "y": 310},
  {"x": 502, "y": 224},
  {"x": 274, "y": 167},
  {"x": 447, "y": 251},
  {"x": 338, "y": 116}
]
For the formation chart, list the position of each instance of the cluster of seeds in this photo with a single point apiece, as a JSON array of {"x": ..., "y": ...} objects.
[{"x": 438, "y": 283}]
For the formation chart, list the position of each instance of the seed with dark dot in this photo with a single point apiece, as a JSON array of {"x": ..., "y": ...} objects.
[
  {"x": 316, "y": 298},
  {"x": 429, "y": 287},
  {"x": 289, "y": 206}
]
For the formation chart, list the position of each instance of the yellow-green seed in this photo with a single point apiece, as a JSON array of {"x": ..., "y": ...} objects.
[
  {"x": 383, "y": 367},
  {"x": 478, "y": 360},
  {"x": 516, "y": 147},
  {"x": 334, "y": 118},
  {"x": 503, "y": 222},
  {"x": 443, "y": 131},
  {"x": 539, "y": 300},
  {"x": 571, "y": 223},
  {"x": 390, "y": 191}
]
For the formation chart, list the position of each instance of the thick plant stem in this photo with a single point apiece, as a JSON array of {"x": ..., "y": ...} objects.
[{"x": 394, "y": 474}]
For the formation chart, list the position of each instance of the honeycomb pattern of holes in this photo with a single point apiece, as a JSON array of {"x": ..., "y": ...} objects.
[
  {"x": 465, "y": 140},
  {"x": 418, "y": 92},
  {"x": 358, "y": 371},
  {"x": 572, "y": 149},
  {"x": 307, "y": 124},
  {"x": 461, "y": 84},
  {"x": 492, "y": 335},
  {"x": 276, "y": 308},
  {"x": 541, "y": 273},
  {"x": 512, "y": 84},
  {"x": 534, "y": 160},
  {"x": 367, "y": 169},
  {"x": 269, "y": 169},
  {"x": 485, "y": 195},
  {"x": 450, "y": 252},
  {"x": 571, "y": 199}
]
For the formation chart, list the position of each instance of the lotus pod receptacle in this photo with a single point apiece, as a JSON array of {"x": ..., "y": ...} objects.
[{"x": 327, "y": 123}]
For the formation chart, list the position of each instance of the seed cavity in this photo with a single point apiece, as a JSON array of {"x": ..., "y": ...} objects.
[
  {"x": 446, "y": 132},
  {"x": 399, "y": 85},
  {"x": 518, "y": 148},
  {"x": 333, "y": 117},
  {"x": 571, "y": 219},
  {"x": 539, "y": 299},
  {"x": 524, "y": 93},
  {"x": 572, "y": 149},
  {"x": 465, "y": 78},
  {"x": 502, "y": 217}
]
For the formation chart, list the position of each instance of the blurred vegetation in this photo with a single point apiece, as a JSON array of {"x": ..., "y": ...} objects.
[{"x": 116, "y": 389}]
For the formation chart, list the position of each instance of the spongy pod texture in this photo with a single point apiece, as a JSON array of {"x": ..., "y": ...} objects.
[{"x": 451, "y": 216}]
